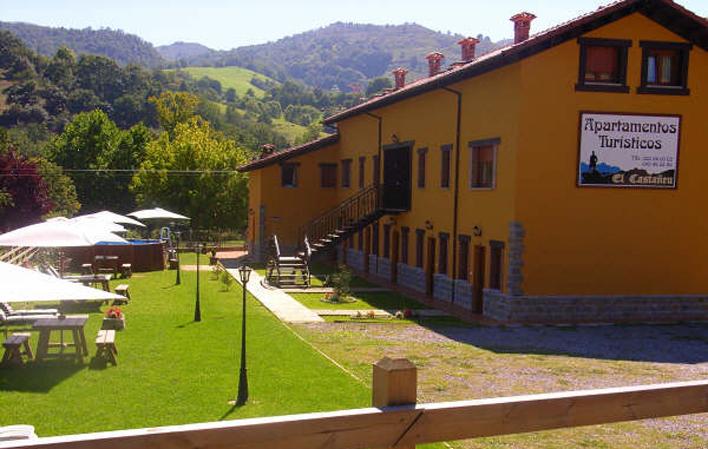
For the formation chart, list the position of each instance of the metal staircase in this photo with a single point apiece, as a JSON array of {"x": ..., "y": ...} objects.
[{"x": 341, "y": 222}]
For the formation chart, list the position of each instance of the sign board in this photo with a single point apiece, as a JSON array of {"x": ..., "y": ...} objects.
[{"x": 623, "y": 150}]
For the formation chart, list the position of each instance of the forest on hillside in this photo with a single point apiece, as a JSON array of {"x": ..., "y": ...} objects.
[
  {"x": 82, "y": 133},
  {"x": 122, "y": 47},
  {"x": 340, "y": 55}
]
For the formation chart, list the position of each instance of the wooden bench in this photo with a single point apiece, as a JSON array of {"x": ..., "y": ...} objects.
[
  {"x": 122, "y": 290},
  {"x": 106, "y": 346},
  {"x": 16, "y": 346},
  {"x": 126, "y": 270},
  {"x": 287, "y": 271}
]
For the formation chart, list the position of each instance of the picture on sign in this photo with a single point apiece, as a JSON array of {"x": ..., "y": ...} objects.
[{"x": 622, "y": 150}]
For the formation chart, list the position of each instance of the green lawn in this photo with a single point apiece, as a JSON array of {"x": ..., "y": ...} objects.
[
  {"x": 237, "y": 78},
  {"x": 364, "y": 301},
  {"x": 172, "y": 370}
]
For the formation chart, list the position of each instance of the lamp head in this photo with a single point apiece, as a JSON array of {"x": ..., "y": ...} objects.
[{"x": 244, "y": 273}]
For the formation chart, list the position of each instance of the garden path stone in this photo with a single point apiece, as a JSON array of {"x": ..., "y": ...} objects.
[{"x": 278, "y": 302}]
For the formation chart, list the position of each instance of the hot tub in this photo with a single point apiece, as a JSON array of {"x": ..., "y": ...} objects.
[{"x": 143, "y": 255}]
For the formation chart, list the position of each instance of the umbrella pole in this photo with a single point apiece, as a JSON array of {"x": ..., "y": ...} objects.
[{"x": 61, "y": 263}]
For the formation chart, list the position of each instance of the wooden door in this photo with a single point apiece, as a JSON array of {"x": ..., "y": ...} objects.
[
  {"x": 397, "y": 178},
  {"x": 367, "y": 248},
  {"x": 395, "y": 242},
  {"x": 430, "y": 267},
  {"x": 480, "y": 260}
]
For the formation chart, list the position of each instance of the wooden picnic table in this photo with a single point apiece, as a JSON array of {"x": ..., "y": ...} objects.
[
  {"x": 102, "y": 263},
  {"x": 92, "y": 279},
  {"x": 73, "y": 323}
]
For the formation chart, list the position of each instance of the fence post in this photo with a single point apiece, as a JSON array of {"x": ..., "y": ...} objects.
[{"x": 395, "y": 382}]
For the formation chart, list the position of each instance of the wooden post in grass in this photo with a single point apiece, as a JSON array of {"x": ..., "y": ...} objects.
[{"x": 395, "y": 382}]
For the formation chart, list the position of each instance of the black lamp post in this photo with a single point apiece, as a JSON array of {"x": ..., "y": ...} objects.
[
  {"x": 178, "y": 281},
  {"x": 244, "y": 273},
  {"x": 197, "y": 308}
]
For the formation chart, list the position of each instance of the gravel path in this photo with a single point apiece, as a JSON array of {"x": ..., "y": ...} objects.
[{"x": 457, "y": 363}]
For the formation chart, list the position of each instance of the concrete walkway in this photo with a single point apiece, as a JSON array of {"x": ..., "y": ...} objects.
[
  {"x": 279, "y": 303},
  {"x": 331, "y": 290},
  {"x": 426, "y": 313}
]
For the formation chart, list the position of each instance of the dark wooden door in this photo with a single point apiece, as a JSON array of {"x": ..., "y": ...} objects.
[
  {"x": 397, "y": 178},
  {"x": 480, "y": 260},
  {"x": 395, "y": 243},
  {"x": 367, "y": 248},
  {"x": 430, "y": 267}
]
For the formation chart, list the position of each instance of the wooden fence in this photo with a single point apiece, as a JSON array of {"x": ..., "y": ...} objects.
[{"x": 397, "y": 422}]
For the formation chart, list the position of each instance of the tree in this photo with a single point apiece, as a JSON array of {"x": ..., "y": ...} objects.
[
  {"x": 24, "y": 193},
  {"x": 376, "y": 85},
  {"x": 60, "y": 69},
  {"x": 60, "y": 189},
  {"x": 88, "y": 145},
  {"x": 193, "y": 171},
  {"x": 174, "y": 108}
]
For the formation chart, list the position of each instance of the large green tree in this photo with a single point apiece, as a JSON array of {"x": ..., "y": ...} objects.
[
  {"x": 192, "y": 171},
  {"x": 99, "y": 158}
]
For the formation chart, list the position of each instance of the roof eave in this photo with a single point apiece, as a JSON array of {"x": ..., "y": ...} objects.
[{"x": 554, "y": 37}]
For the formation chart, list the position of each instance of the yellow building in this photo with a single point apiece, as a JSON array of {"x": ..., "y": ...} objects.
[{"x": 539, "y": 182}]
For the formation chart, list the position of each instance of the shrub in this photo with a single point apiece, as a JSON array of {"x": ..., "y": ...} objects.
[
  {"x": 226, "y": 280},
  {"x": 341, "y": 282}
]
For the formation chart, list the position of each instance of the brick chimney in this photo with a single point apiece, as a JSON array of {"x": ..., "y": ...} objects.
[
  {"x": 468, "y": 45},
  {"x": 522, "y": 26},
  {"x": 434, "y": 62},
  {"x": 399, "y": 75},
  {"x": 267, "y": 150}
]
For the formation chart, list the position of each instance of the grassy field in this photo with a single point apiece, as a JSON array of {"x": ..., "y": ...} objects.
[
  {"x": 289, "y": 130},
  {"x": 237, "y": 78},
  {"x": 172, "y": 370}
]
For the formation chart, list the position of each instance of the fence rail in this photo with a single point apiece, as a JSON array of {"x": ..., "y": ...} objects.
[{"x": 404, "y": 426}]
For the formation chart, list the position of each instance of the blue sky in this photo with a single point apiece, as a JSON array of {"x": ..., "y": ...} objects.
[{"x": 225, "y": 24}]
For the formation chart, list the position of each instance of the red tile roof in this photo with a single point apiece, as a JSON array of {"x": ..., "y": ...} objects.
[
  {"x": 671, "y": 15},
  {"x": 290, "y": 153}
]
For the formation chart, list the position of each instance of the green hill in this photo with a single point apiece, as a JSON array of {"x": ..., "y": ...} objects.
[
  {"x": 237, "y": 78},
  {"x": 123, "y": 47},
  {"x": 342, "y": 54}
]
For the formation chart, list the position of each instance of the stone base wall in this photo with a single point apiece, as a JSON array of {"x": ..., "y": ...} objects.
[
  {"x": 372, "y": 264},
  {"x": 355, "y": 259},
  {"x": 595, "y": 309},
  {"x": 463, "y": 294},
  {"x": 442, "y": 287},
  {"x": 411, "y": 277},
  {"x": 382, "y": 269}
]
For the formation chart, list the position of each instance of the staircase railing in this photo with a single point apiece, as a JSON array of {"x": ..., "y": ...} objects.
[
  {"x": 350, "y": 211},
  {"x": 18, "y": 255}
]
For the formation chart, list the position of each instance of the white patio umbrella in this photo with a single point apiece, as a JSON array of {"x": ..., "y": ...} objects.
[
  {"x": 58, "y": 234},
  {"x": 98, "y": 223},
  {"x": 23, "y": 285},
  {"x": 114, "y": 218},
  {"x": 157, "y": 214}
]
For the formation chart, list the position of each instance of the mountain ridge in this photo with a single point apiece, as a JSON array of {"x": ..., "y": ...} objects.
[
  {"x": 124, "y": 48},
  {"x": 342, "y": 54}
]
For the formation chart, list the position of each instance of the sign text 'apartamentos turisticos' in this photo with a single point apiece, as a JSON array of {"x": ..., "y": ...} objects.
[{"x": 623, "y": 150}]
